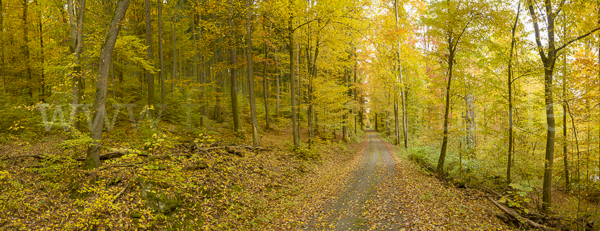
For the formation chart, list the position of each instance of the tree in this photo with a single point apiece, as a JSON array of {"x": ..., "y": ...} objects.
[
  {"x": 456, "y": 18},
  {"x": 548, "y": 55},
  {"x": 510, "y": 102},
  {"x": 250, "y": 75},
  {"x": 93, "y": 153},
  {"x": 149, "y": 76},
  {"x": 76, "y": 13},
  {"x": 160, "y": 54},
  {"x": 233, "y": 73}
]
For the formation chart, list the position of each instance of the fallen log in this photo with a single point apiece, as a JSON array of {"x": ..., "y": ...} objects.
[
  {"x": 491, "y": 191},
  {"x": 517, "y": 217}
]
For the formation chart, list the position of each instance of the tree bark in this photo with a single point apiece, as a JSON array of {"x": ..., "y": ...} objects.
[
  {"x": 76, "y": 14},
  {"x": 93, "y": 154},
  {"x": 250, "y": 74},
  {"x": 510, "y": 106},
  {"x": 174, "y": 38},
  {"x": 265, "y": 87},
  {"x": 149, "y": 76},
  {"x": 25, "y": 48},
  {"x": 277, "y": 83},
  {"x": 233, "y": 75},
  {"x": 440, "y": 166},
  {"x": 43, "y": 78},
  {"x": 160, "y": 54},
  {"x": 293, "y": 79},
  {"x": 2, "y": 43},
  {"x": 402, "y": 90},
  {"x": 564, "y": 106}
]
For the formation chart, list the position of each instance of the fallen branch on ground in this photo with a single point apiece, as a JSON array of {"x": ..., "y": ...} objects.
[{"x": 517, "y": 217}]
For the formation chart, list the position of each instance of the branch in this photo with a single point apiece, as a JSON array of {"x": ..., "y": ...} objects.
[
  {"x": 453, "y": 47},
  {"x": 576, "y": 39},
  {"x": 516, "y": 216},
  {"x": 119, "y": 194},
  {"x": 560, "y": 7},
  {"x": 537, "y": 31},
  {"x": 522, "y": 75},
  {"x": 303, "y": 24}
]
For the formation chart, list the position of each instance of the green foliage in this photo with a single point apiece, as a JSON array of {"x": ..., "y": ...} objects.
[{"x": 517, "y": 197}]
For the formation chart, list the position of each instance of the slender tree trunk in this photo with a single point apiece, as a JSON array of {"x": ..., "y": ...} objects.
[
  {"x": 149, "y": 76},
  {"x": 299, "y": 85},
  {"x": 43, "y": 78},
  {"x": 440, "y": 166},
  {"x": 376, "y": 125},
  {"x": 76, "y": 15},
  {"x": 311, "y": 107},
  {"x": 402, "y": 89},
  {"x": 160, "y": 54},
  {"x": 93, "y": 154},
  {"x": 233, "y": 70},
  {"x": 250, "y": 74},
  {"x": 291, "y": 45},
  {"x": 564, "y": 106},
  {"x": 277, "y": 83},
  {"x": 25, "y": 48},
  {"x": 174, "y": 38},
  {"x": 510, "y": 103},
  {"x": 597, "y": 4},
  {"x": 265, "y": 86},
  {"x": 355, "y": 92},
  {"x": 202, "y": 76},
  {"x": 219, "y": 88},
  {"x": 396, "y": 121},
  {"x": 2, "y": 43},
  {"x": 345, "y": 110}
]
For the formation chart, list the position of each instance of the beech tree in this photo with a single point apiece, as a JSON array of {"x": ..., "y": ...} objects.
[{"x": 93, "y": 154}]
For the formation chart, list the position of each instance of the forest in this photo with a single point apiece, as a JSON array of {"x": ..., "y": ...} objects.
[{"x": 300, "y": 115}]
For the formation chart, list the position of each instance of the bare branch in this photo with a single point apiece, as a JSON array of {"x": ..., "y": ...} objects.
[
  {"x": 576, "y": 39},
  {"x": 537, "y": 31}
]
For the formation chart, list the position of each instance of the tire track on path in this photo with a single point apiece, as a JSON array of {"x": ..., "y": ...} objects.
[{"x": 344, "y": 212}]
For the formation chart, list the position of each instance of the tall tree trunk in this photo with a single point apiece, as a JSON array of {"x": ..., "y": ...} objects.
[
  {"x": 402, "y": 91},
  {"x": 250, "y": 74},
  {"x": 233, "y": 70},
  {"x": 25, "y": 48},
  {"x": 43, "y": 78},
  {"x": 396, "y": 121},
  {"x": 93, "y": 154},
  {"x": 440, "y": 166},
  {"x": 355, "y": 92},
  {"x": 345, "y": 110},
  {"x": 219, "y": 88},
  {"x": 597, "y": 5},
  {"x": 2, "y": 43},
  {"x": 160, "y": 54},
  {"x": 277, "y": 83},
  {"x": 174, "y": 38},
  {"x": 564, "y": 107},
  {"x": 149, "y": 76},
  {"x": 202, "y": 76},
  {"x": 311, "y": 107},
  {"x": 510, "y": 106},
  {"x": 291, "y": 45},
  {"x": 76, "y": 15},
  {"x": 265, "y": 87}
]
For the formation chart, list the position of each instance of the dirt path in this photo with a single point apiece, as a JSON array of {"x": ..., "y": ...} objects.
[
  {"x": 387, "y": 192},
  {"x": 345, "y": 212}
]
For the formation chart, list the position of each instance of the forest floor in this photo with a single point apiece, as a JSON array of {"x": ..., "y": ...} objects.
[
  {"x": 357, "y": 184},
  {"x": 388, "y": 192}
]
